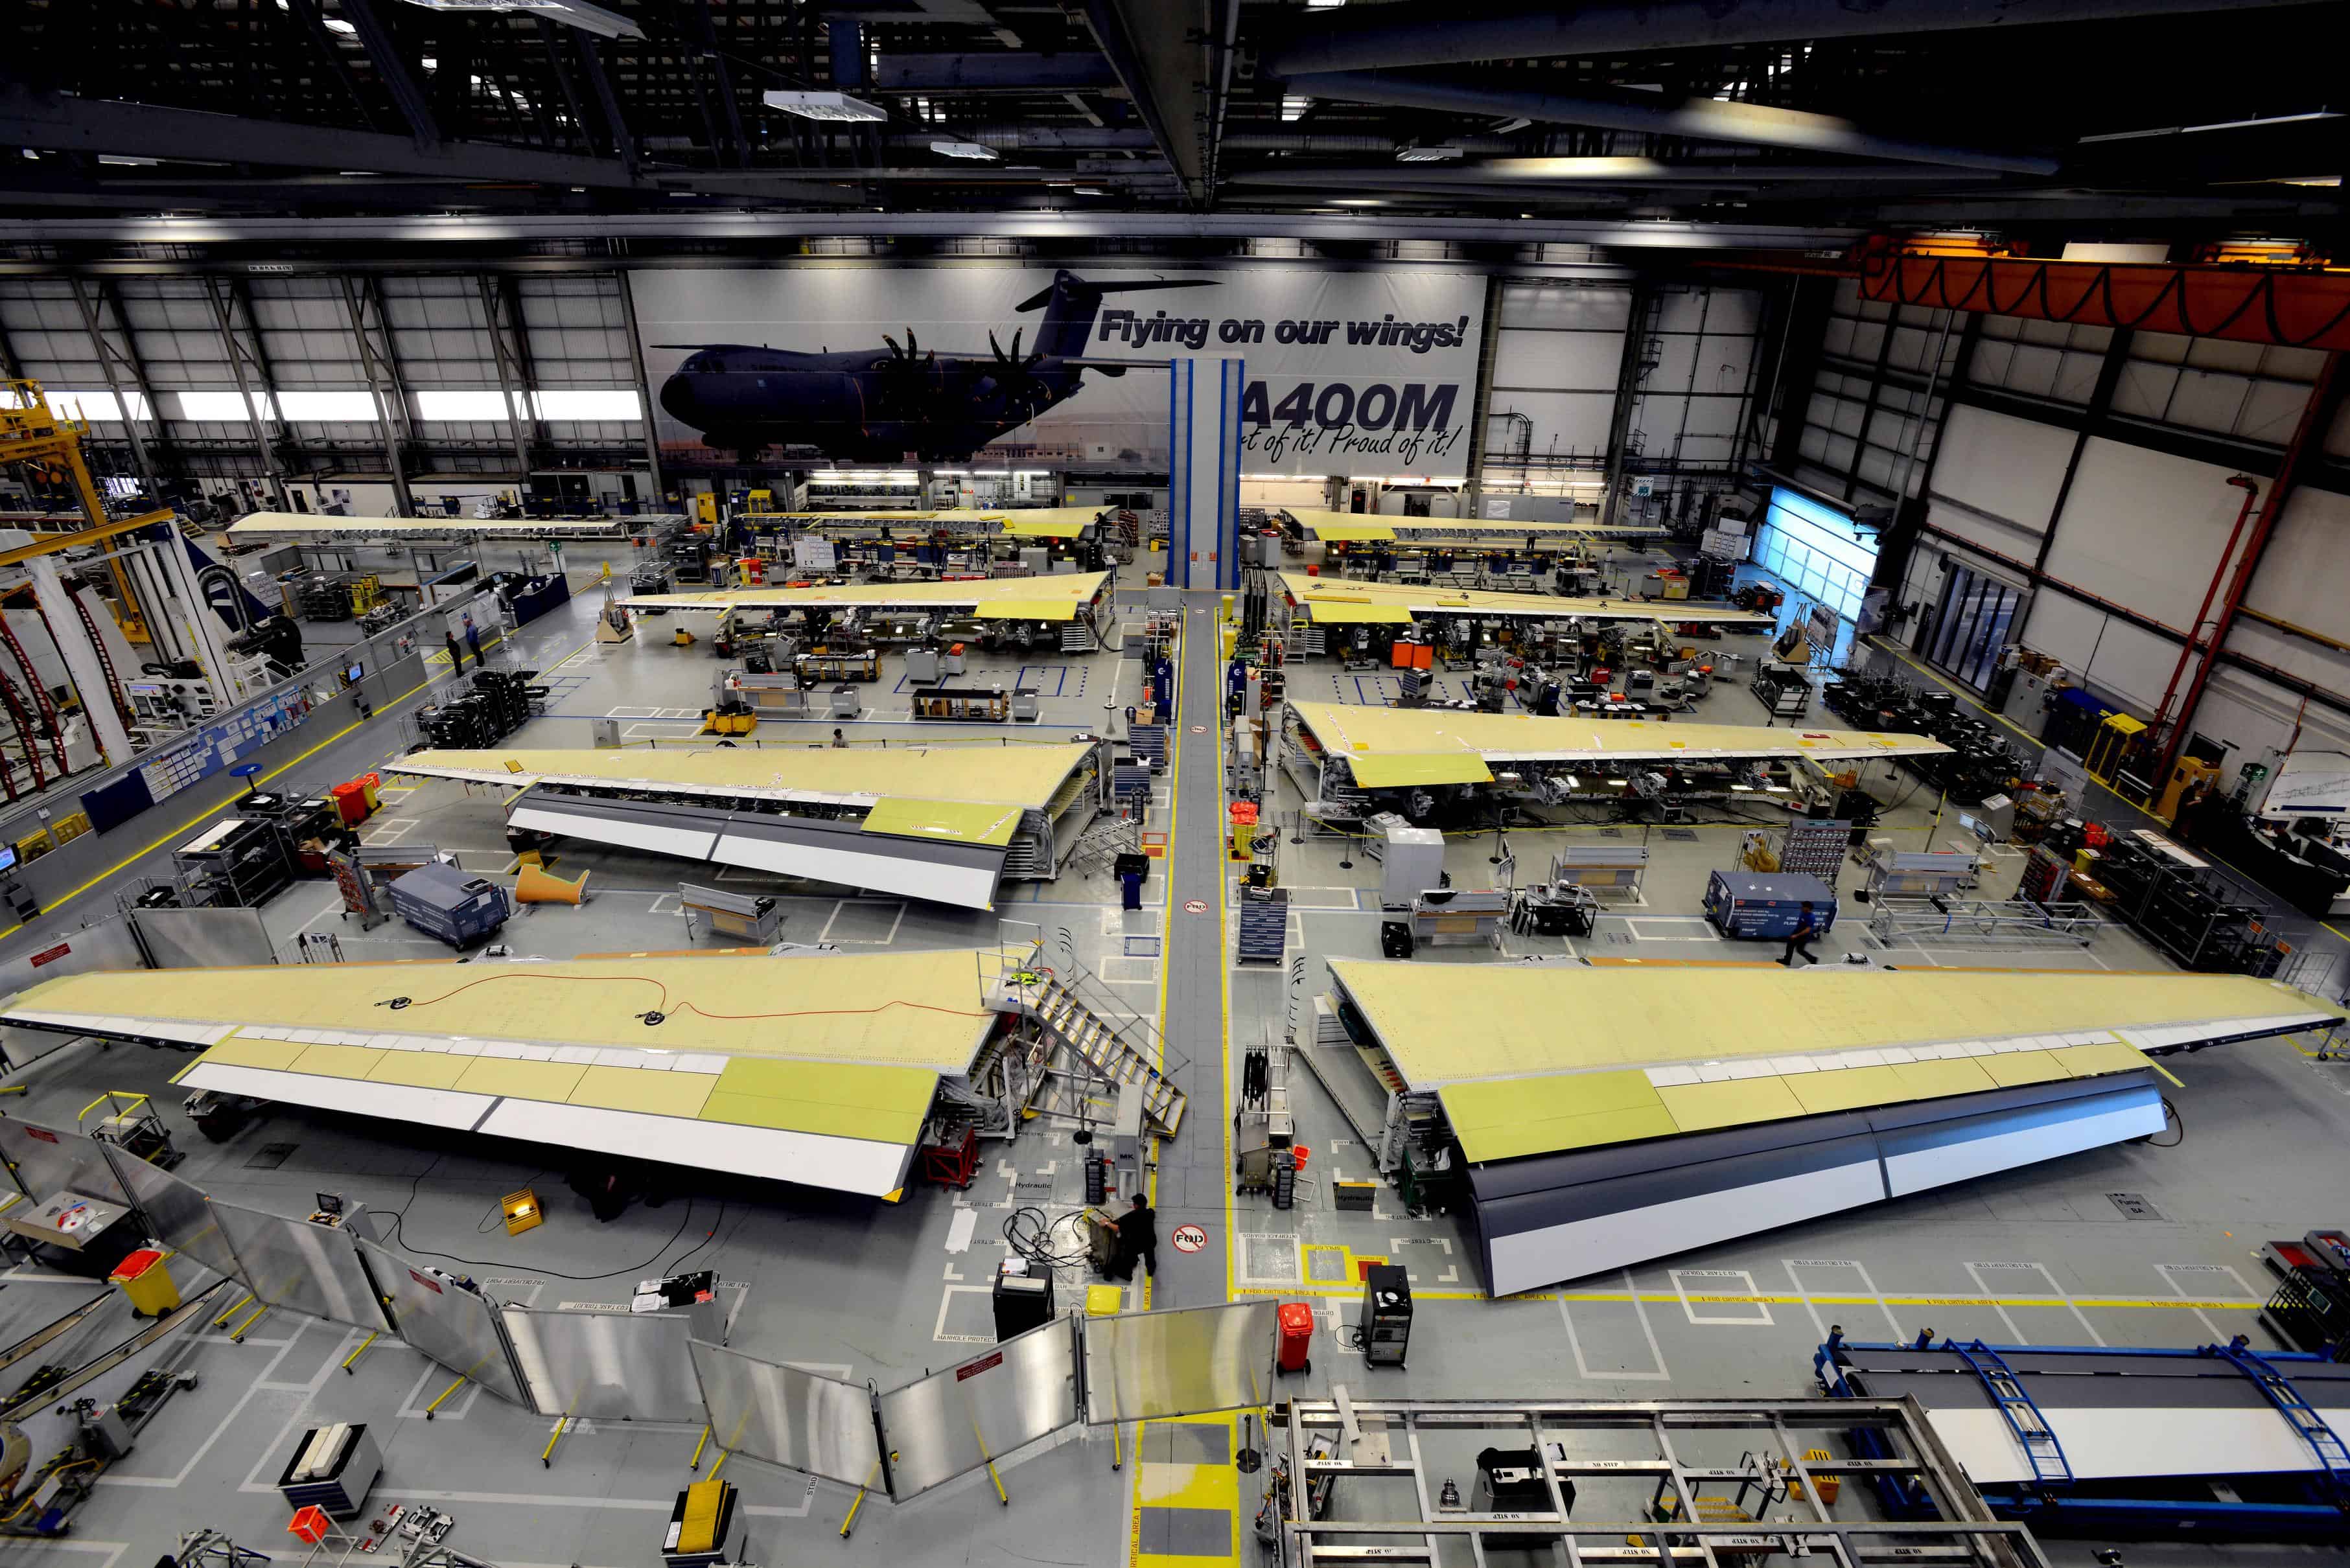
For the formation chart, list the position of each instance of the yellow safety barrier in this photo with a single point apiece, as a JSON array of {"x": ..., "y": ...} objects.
[
  {"x": 365, "y": 1345},
  {"x": 443, "y": 1400},
  {"x": 236, "y": 1335},
  {"x": 243, "y": 1303},
  {"x": 699, "y": 1444}
]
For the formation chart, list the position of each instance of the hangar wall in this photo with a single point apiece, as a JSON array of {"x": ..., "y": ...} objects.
[{"x": 2088, "y": 468}]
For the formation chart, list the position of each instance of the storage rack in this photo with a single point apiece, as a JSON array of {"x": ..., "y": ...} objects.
[
  {"x": 1264, "y": 927},
  {"x": 1815, "y": 848},
  {"x": 992, "y": 705},
  {"x": 2175, "y": 901}
]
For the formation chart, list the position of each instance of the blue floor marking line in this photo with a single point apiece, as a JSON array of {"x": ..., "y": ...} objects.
[{"x": 1059, "y": 672}]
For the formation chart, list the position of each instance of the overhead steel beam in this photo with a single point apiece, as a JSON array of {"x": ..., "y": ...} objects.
[
  {"x": 1701, "y": 117},
  {"x": 1158, "y": 49},
  {"x": 392, "y": 68},
  {"x": 218, "y": 294},
  {"x": 314, "y": 27},
  {"x": 93, "y": 126},
  {"x": 989, "y": 72},
  {"x": 651, "y": 229},
  {"x": 108, "y": 355},
  {"x": 498, "y": 308},
  {"x": 607, "y": 103},
  {"x": 1533, "y": 173},
  {"x": 1368, "y": 40},
  {"x": 360, "y": 301}
]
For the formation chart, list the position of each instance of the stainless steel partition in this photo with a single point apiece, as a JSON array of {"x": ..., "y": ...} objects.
[
  {"x": 605, "y": 1366},
  {"x": 203, "y": 939},
  {"x": 50, "y": 1161},
  {"x": 953, "y": 1421},
  {"x": 177, "y": 1213},
  {"x": 782, "y": 1415},
  {"x": 1154, "y": 1365},
  {"x": 303, "y": 1267},
  {"x": 452, "y": 1325}
]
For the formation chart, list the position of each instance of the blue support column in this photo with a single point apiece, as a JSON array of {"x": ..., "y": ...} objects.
[{"x": 1203, "y": 494}]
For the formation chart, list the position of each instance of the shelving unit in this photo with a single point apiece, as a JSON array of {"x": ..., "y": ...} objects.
[{"x": 1264, "y": 927}]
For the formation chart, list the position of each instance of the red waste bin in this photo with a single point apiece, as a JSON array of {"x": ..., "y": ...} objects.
[
  {"x": 1296, "y": 1320},
  {"x": 350, "y": 803}
]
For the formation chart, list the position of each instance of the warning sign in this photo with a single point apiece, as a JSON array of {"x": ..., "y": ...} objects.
[
  {"x": 1199, "y": 729},
  {"x": 1195, "y": 905},
  {"x": 51, "y": 955},
  {"x": 1189, "y": 1238}
]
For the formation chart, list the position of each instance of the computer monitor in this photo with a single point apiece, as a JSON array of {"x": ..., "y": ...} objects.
[
  {"x": 351, "y": 676},
  {"x": 7, "y": 857}
]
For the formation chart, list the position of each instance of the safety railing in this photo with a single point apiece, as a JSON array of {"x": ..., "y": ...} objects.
[{"x": 902, "y": 1442}]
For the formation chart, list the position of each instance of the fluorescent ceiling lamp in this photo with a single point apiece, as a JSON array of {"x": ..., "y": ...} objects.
[
  {"x": 1323, "y": 4},
  {"x": 965, "y": 150},
  {"x": 125, "y": 160},
  {"x": 2215, "y": 125},
  {"x": 1507, "y": 126},
  {"x": 576, "y": 13},
  {"x": 1088, "y": 191},
  {"x": 1293, "y": 105},
  {"x": 824, "y": 105},
  {"x": 336, "y": 25},
  {"x": 1426, "y": 154}
]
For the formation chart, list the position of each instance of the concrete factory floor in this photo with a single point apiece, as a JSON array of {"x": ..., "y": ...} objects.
[{"x": 2134, "y": 1245}]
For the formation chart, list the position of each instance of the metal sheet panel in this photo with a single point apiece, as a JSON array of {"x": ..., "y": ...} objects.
[
  {"x": 203, "y": 939},
  {"x": 49, "y": 1160},
  {"x": 177, "y": 1213},
  {"x": 953, "y": 1421},
  {"x": 306, "y": 1268},
  {"x": 604, "y": 1366},
  {"x": 784, "y": 1415},
  {"x": 452, "y": 1325},
  {"x": 1150, "y": 1366}
]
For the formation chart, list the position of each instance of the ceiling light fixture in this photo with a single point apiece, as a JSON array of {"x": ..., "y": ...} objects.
[
  {"x": 579, "y": 14},
  {"x": 1323, "y": 4},
  {"x": 1293, "y": 105},
  {"x": 336, "y": 25},
  {"x": 1507, "y": 126},
  {"x": 824, "y": 105},
  {"x": 1426, "y": 154},
  {"x": 984, "y": 154}
]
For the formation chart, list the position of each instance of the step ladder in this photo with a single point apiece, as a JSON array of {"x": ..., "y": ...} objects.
[
  {"x": 2278, "y": 1390},
  {"x": 1109, "y": 1054},
  {"x": 1078, "y": 636},
  {"x": 2032, "y": 1433}
]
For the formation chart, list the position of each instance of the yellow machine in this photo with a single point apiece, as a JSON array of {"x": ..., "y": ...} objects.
[
  {"x": 2189, "y": 775},
  {"x": 521, "y": 1211},
  {"x": 2112, "y": 748}
]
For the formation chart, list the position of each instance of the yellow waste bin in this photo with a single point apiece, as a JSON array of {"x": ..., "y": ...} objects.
[
  {"x": 148, "y": 1283},
  {"x": 1104, "y": 1300}
]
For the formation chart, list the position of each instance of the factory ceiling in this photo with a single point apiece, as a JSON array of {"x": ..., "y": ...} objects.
[{"x": 2079, "y": 119}]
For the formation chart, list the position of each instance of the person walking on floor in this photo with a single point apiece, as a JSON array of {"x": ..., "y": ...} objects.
[
  {"x": 472, "y": 639},
  {"x": 1137, "y": 1239},
  {"x": 1799, "y": 940}
]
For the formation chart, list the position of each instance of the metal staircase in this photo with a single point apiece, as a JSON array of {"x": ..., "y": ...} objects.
[
  {"x": 2038, "y": 1440},
  {"x": 1078, "y": 636},
  {"x": 1085, "y": 1059},
  {"x": 2278, "y": 1390}
]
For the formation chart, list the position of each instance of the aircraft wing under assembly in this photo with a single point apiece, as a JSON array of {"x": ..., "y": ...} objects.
[
  {"x": 818, "y": 1069},
  {"x": 1612, "y": 1113}
]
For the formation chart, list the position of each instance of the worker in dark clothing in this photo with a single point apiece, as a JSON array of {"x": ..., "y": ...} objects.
[
  {"x": 1138, "y": 1238},
  {"x": 1799, "y": 940},
  {"x": 472, "y": 639},
  {"x": 456, "y": 660}
]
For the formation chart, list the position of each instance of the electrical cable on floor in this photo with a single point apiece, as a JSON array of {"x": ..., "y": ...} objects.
[
  {"x": 400, "y": 1237},
  {"x": 708, "y": 1235},
  {"x": 1028, "y": 1231},
  {"x": 2170, "y": 1113}
]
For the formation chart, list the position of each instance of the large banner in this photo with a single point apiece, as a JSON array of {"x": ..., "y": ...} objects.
[{"x": 1370, "y": 373}]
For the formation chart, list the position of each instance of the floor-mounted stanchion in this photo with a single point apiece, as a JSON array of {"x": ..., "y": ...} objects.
[
  {"x": 443, "y": 1399},
  {"x": 350, "y": 1368}
]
